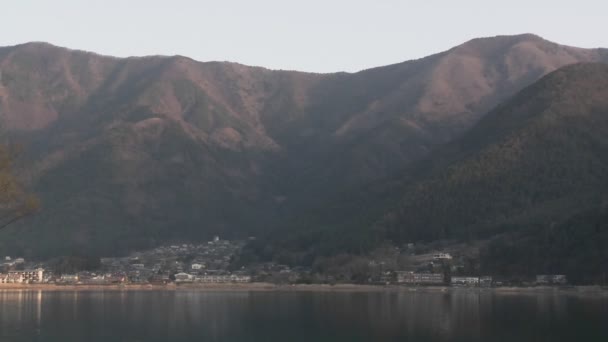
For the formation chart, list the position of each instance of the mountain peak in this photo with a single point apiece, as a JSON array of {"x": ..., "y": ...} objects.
[
  {"x": 39, "y": 46},
  {"x": 41, "y": 49},
  {"x": 499, "y": 43},
  {"x": 510, "y": 38}
]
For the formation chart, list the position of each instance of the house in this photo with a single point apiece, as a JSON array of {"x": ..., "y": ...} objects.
[
  {"x": 233, "y": 278},
  {"x": 413, "y": 278},
  {"x": 197, "y": 266},
  {"x": 115, "y": 278},
  {"x": 184, "y": 278},
  {"x": 465, "y": 281},
  {"x": 442, "y": 256},
  {"x": 160, "y": 279},
  {"x": 211, "y": 279}
]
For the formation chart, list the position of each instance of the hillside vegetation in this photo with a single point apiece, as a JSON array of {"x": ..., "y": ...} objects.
[{"x": 538, "y": 158}]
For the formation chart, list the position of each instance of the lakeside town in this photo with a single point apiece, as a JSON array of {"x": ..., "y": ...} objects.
[{"x": 212, "y": 263}]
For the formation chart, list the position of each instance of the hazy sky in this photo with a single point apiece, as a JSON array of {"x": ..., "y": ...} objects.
[{"x": 307, "y": 35}]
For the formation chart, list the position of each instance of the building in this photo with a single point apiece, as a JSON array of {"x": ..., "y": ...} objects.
[
  {"x": 30, "y": 276},
  {"x": 442, "y": 256},
  {"x": 197, "y": 266},
  {"x": 95, "y": 280},
  {"x": 551, "y": 279},
  {"x": 10, "y": 263},
  {"x": 6, "y": 278},
  {"x": 240, "y": 278},
  {"x": 69, "y": 278},
  {"x": 160, "y": 279},
  {"x": 184, "y": 278},
  {"x": 413, "y": 278},
  {"x": 115, "y": 278},
  {"x": 465, "y": 281},
  {"x": 25, "y": 276},
  {"x": 233, "y": 278}
]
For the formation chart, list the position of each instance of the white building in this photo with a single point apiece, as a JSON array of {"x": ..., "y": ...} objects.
[
  {"x": 233, "y": 278},
  {"x": 184, "y": 278},
  {"x": 25, "y": 276},
  {"x": 405, "y": 277},
  {"x": 442, "y": 256},
  {"x": 465, "y": 281}
]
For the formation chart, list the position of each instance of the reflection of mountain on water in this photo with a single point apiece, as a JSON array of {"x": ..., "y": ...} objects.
[{"x": 466, "y": 315}]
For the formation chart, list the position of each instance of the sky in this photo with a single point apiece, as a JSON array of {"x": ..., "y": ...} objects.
[{"x": 305, "y": 35}]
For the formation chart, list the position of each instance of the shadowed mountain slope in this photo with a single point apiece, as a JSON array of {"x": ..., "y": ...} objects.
[
  {"x": 539, "y": 158},
  {"x": 532, "y": 176}
]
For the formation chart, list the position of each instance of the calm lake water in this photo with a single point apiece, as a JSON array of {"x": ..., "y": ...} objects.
[{"x": 300, "y": 316}]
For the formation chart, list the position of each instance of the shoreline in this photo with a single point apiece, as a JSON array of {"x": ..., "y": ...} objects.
[{"x": 269, "y": 287}]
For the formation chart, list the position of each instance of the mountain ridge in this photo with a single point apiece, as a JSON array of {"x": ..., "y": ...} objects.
[
  {"x": 275, "y": 142},
  {"x": 530, "y": 36}
]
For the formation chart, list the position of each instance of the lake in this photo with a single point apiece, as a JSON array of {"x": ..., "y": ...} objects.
[{"x": 185, "y": 315}]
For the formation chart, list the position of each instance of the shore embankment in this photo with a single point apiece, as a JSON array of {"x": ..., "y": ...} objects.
[{"x": 268, "y": 287}]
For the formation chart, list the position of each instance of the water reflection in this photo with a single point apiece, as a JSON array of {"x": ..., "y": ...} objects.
[{"x": 290, "y": 316}]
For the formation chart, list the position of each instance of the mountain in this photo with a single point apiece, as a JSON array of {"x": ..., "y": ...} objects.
[
  {"x": 540, "y": 157},
  {"x": 534, "y": 170},
  {"x": 127, "y": 153}
]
